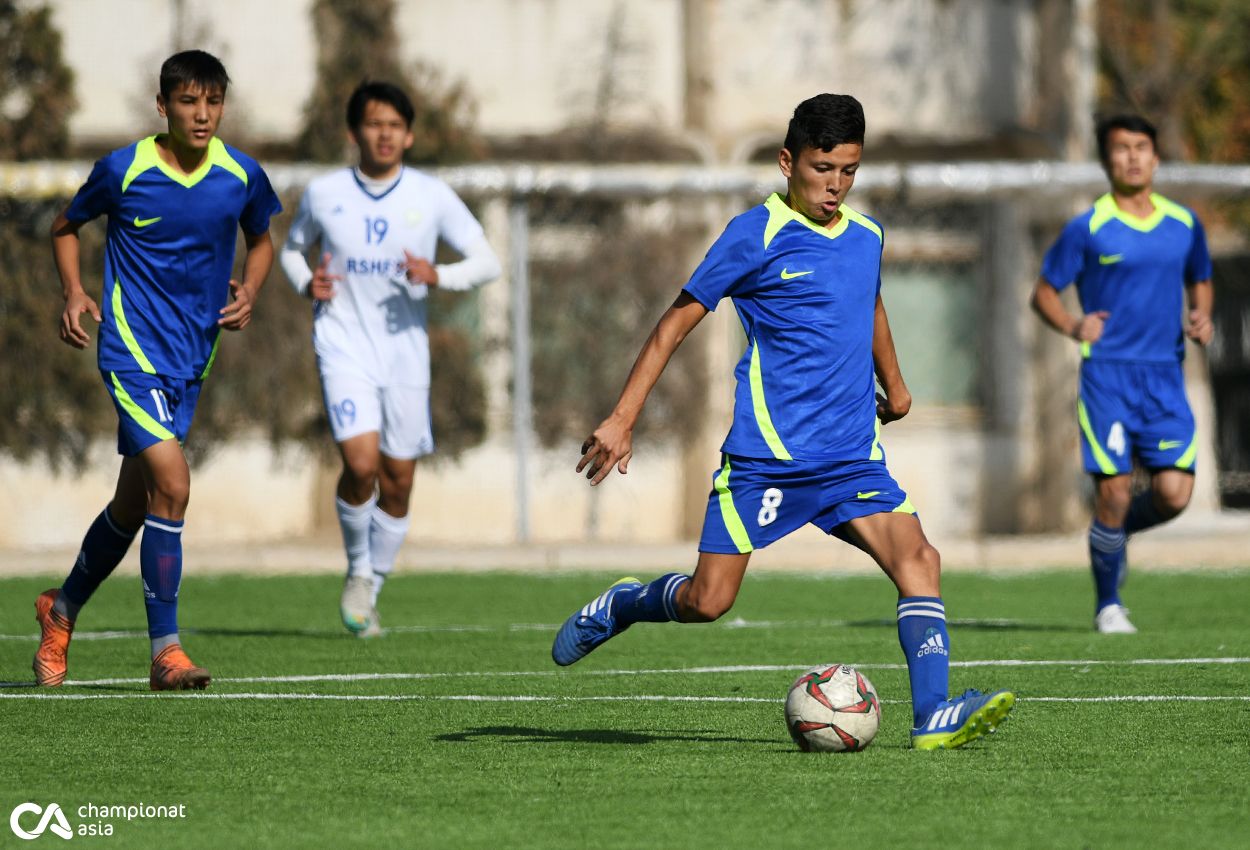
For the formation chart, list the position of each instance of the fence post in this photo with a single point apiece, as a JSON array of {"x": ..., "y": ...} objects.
[{"x": 522, "y": 394}]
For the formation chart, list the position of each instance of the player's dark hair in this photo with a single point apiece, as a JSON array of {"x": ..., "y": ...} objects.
[
  {"x": 193, "y": 68},
  {"x": 382, "y": 92},
  {"x": 825, "y": 121},
  {"x": 1132, "y": 123}
]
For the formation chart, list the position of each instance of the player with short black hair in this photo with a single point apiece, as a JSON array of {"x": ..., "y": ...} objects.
[
  {"x": 804, "y": 273},
  {"x": 378, "y": 224},
  {"x": 174, "y": 202},
  {"x": 1135, "y": 258}
]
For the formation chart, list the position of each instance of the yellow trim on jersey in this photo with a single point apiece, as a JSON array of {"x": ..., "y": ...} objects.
[
  {"x": 137, "y": 413},
  {"x": 211, "y": 357},
  {"x": 1100, "y": 456},
  {"x": 1106, "y": 209},
  {"x": 906, "y": 507},
  {"x": 147, "y": 157},
  {"x": 762, "y": 418},
  {"x": 729, "y": 513},
  {"x": 127, "y": 335},
  {"x": 877, "y": 452},
  {"x": 780, "y": 214}
]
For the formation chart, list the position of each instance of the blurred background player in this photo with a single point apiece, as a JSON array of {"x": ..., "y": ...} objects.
[
  {"x": 378, "y": 225},
  {"x": 1135, "y": 257},
  {"x": 804, "y": 274},
  {"x": 174, "y": 202}
]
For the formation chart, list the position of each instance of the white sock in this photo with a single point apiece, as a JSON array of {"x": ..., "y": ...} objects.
[
  {"x": 386, "y": 536},
  {"x": 354, "y": 520}
]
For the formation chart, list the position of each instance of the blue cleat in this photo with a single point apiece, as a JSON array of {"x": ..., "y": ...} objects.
[
  {"x": 590, "y": 626},
  {"x": 962, "y": 719}
]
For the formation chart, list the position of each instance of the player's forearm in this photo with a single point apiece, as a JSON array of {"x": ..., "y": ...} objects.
[
  {"x": 65, "y": 253},
  {"x": 295, "y": 267},
  {"x": 479, "y": 266},
  {"x": 258, "y": 262},
  {"x": 884, "y": 355},
  {"x": 665, "y": 338},
  {"x": 1201, "y": 296},
  {"x": 1047, "y": 304}
]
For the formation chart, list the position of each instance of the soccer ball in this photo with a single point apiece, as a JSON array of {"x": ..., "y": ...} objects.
[{"x": 832, "y": 709}]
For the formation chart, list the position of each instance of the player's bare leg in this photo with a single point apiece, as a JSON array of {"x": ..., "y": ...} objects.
[
  {"x": 712, "y": 589},
  {"x": 898, "y": 544}
]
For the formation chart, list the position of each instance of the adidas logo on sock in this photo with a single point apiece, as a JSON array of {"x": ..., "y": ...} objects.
[{"x": 933, "y": 645}]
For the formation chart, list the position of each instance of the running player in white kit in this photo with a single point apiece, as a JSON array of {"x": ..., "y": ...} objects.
[{"x": 378, "y": 225}]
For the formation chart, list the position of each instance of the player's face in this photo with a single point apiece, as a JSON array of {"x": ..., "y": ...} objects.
[
  {"x": 1131, "y": 160},
  {"x": 820, "y": 180},
  {"x": 382, "y": 137},
  {"x": 193, "y": 113}
]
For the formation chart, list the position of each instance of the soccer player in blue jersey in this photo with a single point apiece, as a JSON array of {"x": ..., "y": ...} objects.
[
  {"x": 174, "y": 202},
  {"x": 1135, "y": 258},
  {"x": 804, "y": 274}
]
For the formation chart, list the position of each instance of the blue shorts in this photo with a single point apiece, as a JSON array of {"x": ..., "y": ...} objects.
[
  {"x": 151, "y": 408},
  {"x": 755, "y": 502},
  {"x": 1135, "y": 410}
]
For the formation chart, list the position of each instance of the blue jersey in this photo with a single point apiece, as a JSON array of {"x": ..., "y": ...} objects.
[
  {"x": 169, "y": 252},
  {"x": 1136, "y": 269},
  {"x": 807, "y": 297}
]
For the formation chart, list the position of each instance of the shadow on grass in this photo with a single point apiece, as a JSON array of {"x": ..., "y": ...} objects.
[
  {"x": 979, "y": 625},
  {"x": 531, "y": 735}
]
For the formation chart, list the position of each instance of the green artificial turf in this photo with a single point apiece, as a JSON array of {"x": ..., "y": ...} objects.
[{"x": 496, "y": 747}]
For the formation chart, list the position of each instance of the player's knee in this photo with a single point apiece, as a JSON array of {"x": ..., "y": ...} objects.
[
  {"x": 1172, "y": 501},
  {"x": 705, "y": 605},
  {"x": 361, "y": 473},
  {"x": 1114, "y": 497},
  {"x": 170, "y": 498},
  {"x": 920, "y": 571}
]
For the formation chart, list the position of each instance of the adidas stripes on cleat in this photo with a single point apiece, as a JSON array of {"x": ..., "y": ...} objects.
[
  {"x": 962, "y": 719},
  {"x": 590, "y": 626}
]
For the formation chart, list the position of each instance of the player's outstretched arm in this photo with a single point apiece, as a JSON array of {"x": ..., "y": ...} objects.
[
  {"x": 65, "y": 252},
  {"x": 1049, "y": 306},
  {"x": 896, "y": 403},
  {"x": 236, "y": 315},
  {"x": 1201, "y": 300},
  {"x": 611, "y": 444}
]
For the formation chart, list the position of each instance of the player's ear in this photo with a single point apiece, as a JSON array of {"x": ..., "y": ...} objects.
[
  {"x": 409, "y": 139},
  {"x": 785, "y": 162},
  {"x": 160, "y": 105}
]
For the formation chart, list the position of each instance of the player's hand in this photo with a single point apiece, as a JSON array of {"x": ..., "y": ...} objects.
[
  {"x": 1089, "y": 329},
  {"x": 236, "y": 315},
  {"x": 72, "y": 332},
  {"x": 895, "y": 406},
  {"x": 1200, "y": 329},
  {"x": 610, "y": 445},
  {"x": 419, "y": 270},
  {"x": 321, "y": 288}
]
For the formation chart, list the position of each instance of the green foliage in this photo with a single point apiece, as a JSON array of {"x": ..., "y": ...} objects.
[
  {"x": 594, "y": 309},
  {"x": 36, "y": 86},
  {"x": 356, "y": 41}
]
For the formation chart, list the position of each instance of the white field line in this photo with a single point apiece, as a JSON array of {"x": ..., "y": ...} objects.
[
  {"x": 737, "y": 668},
  {"x": 533, "y": 698},
  {"x": 736, "y": 623}
]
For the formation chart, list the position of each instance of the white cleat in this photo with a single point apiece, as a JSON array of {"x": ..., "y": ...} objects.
[
  {"x": 356, "y": 604},
  {"x": 1113, "y": 620},
  {"x": 374, "y": 629}
]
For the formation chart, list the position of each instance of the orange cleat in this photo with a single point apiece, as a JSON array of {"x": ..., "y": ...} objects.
[
  {"x": 173, "y": 671},
  {"x": 50, "y": 664}
]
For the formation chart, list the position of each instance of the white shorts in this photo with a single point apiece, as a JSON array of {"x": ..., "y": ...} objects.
[{"x": 401, "y": 415}]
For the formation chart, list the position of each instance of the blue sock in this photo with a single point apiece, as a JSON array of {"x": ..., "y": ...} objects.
[
  {"x": 1142, "y": 513},
  {"x": 922, "y": 634},
  {"x": 160, "y": 562},
  {"x": 1106, "y": 558},
  {"x": 652, "y": 603},
  {"x": 103, "y": 547}
]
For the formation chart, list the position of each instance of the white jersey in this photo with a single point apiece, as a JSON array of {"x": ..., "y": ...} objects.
[{"x": 374, "y": 327}]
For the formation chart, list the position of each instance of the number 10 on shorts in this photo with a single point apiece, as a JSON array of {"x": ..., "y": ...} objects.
[{"x": 768, "y": 506}]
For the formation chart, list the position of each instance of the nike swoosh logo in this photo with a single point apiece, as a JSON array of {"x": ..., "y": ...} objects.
[
  {"x": 1109, "y": 259},
  {"x": 1164, "y": 445},
  {"x": 786, "y": 274},
  {"x": 144, "y": 222},
  {"x": 868, "y": 495}
]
